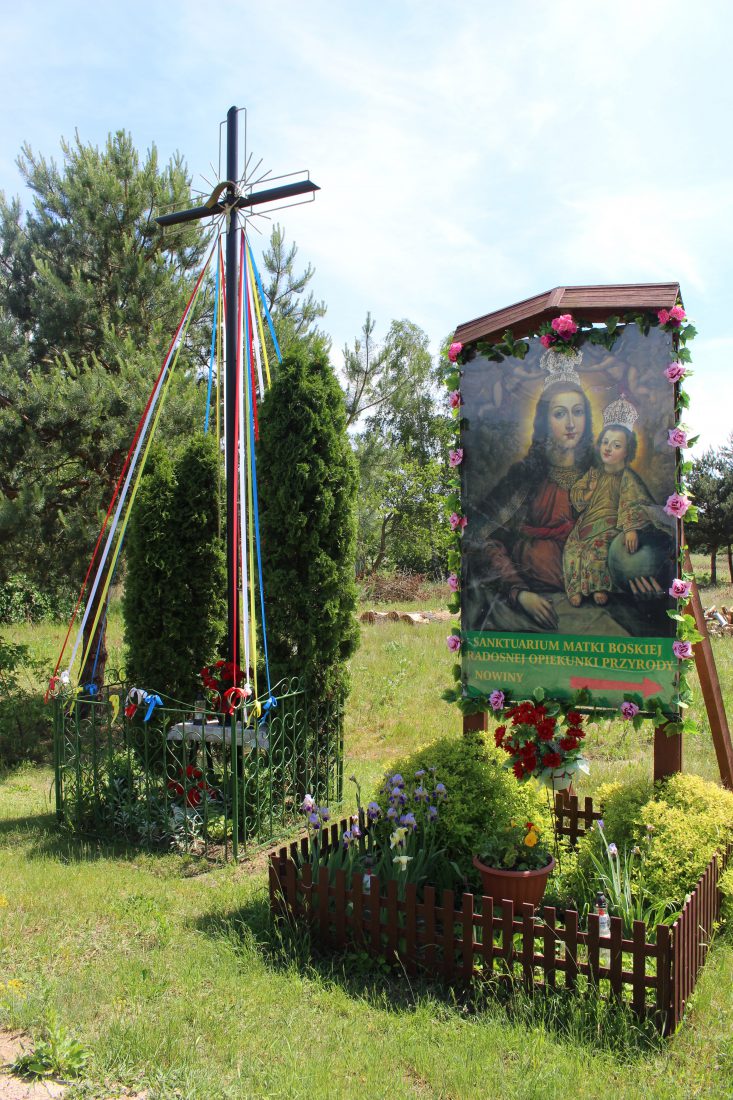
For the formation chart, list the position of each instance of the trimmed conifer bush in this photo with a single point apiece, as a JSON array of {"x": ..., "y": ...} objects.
[
  {"x": 174, "y": 604},
  {"x": 307, "y": 478}
]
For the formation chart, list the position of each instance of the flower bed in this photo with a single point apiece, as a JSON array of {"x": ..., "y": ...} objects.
[{"x": 461, "y": 938}]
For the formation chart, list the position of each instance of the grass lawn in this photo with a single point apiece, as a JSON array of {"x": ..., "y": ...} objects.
[{"x": 167, "y": 970}]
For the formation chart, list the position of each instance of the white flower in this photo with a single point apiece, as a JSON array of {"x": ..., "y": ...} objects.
[{"x": 403, "y": 861}]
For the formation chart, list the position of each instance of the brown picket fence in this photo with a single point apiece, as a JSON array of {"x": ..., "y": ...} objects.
[{"x": 467, "y": 937}]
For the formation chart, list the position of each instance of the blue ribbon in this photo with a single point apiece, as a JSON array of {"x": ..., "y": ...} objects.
[
  {"x": 264, "y": 304},
  {"x": 153, "y": 701},
  {"x": 268, "y": 705},
  {"x": 211, "y": 354}
]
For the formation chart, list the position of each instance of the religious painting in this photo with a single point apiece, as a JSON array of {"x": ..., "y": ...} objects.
[{"x": 568, "y": 553}]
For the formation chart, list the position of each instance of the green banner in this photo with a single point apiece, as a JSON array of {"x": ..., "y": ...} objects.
[{"x": 613, "y": 669}]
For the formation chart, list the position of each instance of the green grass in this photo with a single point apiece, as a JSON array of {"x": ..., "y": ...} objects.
[{"x": 169, "y": 974}]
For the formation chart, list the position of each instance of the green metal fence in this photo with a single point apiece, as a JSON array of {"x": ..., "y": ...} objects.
[{"x": 184, "y": 780}]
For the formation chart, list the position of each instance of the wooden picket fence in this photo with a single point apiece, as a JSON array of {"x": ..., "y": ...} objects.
[{"x": 469, "y": 937}]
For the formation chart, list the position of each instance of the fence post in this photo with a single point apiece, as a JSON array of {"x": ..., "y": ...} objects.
[
  {"x": 475, "y": 722},
  {"x": 667, "y": 753}
]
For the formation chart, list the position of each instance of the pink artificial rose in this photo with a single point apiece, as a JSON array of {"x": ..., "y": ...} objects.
[
  {"x": 547, "y": 341},
  {"x": 677, "y": 437},
  {"x": 677, "y": 504},
  {"x": 496, "y": 700},
  {"x": 682, "y": 650},
  {"x": 453, "y": 583},
  {"x": 454, "y": 643},
  {"x": 677, "y": 314},
  {"x": 454, "y": 351},
  {"x": 675, "y": 372},
  {"x": 629, "y": 711},
  {"x": 663, "y": 316},
  {"x": 680, "y": 589},
  {"x": 457, "y": 521},
  {"x": 564, "y": 325},
  {"x": 454, "y": 398},
  {"x": 455, "y": 458}
]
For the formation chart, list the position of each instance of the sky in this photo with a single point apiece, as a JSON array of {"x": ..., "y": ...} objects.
[{"x": 469, "y": 154}]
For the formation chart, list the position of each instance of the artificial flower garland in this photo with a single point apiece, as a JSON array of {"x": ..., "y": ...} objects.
[{"x": 564, "y": 333}]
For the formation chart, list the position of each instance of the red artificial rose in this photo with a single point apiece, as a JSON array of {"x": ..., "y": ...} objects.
[
  {"x": 518, "y": 769},
  {"x": 175, "y": 788},
  {"x": 574, "y": 718},
  {"x": 551, "y": 760},
  {"x": 568, "y": 743},
  {"x": 575, "y": 731},
  {"x": 193, "y": 797},
  {"x": 546, "y": 729}
]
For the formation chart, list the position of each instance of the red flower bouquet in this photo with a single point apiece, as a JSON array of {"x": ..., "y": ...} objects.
[
  {"x": 543, "y": 745},
  {"x": 227, "y": 684}
]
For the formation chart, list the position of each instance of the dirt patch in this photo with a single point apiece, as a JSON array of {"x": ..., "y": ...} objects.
[{"x": 13, "y": 1043}]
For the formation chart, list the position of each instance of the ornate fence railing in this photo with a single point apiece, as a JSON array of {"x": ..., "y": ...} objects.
[{"x": 173, "y": 777}]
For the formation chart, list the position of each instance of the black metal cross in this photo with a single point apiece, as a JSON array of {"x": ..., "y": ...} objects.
[{"x": 226, "y": 199}]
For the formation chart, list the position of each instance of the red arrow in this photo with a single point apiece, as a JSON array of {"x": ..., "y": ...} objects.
[{"x": 646, "y": 687}]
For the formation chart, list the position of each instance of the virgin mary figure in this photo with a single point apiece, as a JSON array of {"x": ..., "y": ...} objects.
[{"x": 514, "y": 561}]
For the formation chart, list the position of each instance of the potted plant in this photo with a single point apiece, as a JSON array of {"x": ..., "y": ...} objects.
[{"x": 514, "y": 864}]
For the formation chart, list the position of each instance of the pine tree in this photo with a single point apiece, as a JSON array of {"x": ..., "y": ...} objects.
[{"x": 90, "y": 294}]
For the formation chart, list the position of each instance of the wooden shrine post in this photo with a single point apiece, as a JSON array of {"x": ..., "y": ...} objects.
[{"x": 598, "y": 304}]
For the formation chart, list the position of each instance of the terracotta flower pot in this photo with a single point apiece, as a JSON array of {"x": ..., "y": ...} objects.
[{"x": 516, "y": 886}]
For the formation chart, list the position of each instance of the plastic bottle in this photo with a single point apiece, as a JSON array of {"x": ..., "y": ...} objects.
[{"x": 604, "y": 926}]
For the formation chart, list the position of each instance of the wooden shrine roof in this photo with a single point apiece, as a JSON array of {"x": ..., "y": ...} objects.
[{"x": 591, "y": 303}]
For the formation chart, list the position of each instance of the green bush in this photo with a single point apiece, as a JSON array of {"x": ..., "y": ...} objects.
[
  {"x": 678, "y": 825},
  {"x": 22, "y": 601},
  {"x": 174, "y": 592},
  {"x": 307, "y": 488},
  {"x": 25, "y": 723},
  {"x": 690, "y": 819},
  {"x": 482, "y": 796}
]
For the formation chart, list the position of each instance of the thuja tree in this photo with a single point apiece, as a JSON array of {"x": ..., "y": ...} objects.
[
  {"x": 174, "y": 592},
  {"x": 308, "y": 481}
]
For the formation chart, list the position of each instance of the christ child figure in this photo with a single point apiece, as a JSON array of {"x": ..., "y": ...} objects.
[{"x": 611, "y": 500}]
